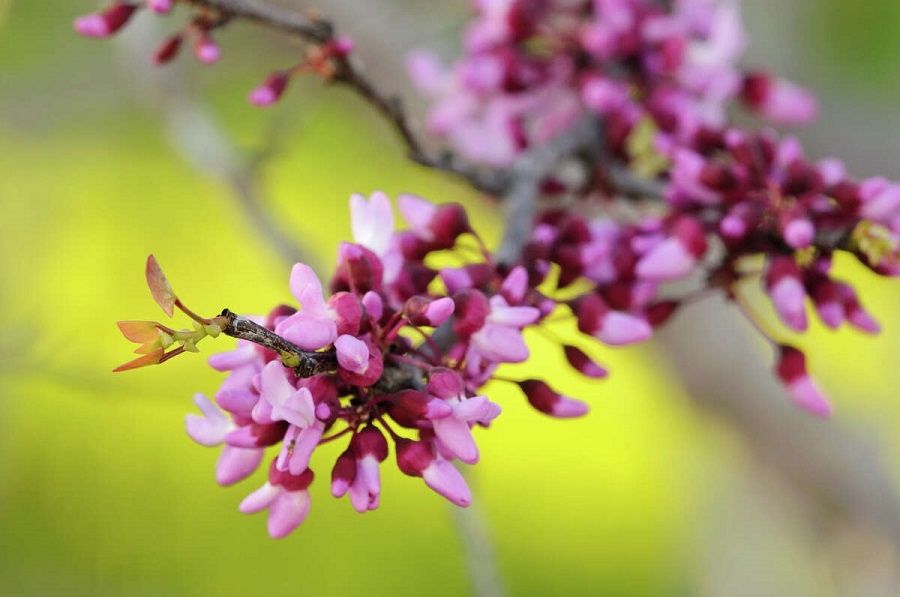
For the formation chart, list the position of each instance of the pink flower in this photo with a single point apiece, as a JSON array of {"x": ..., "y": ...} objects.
[
  {"x": 372, "y": 221},
  {"x": 310, "y": 328},
  {"x": 543, "y": 398},
  {"x": 784, "y": 285},
  {"x": 500, "y": 338},
  {"x": 453, "y": 432},
  {"x": 107, "y": 22},
  {"x": 369, "y": 449},
  {"x": 287, "y": 499},
  {"x": 417, "y": 459}
]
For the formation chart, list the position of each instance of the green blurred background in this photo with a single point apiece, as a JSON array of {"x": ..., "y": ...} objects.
[{"x": 101, "y": 491}]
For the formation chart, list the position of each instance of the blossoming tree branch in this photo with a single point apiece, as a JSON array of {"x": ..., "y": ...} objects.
[{"x": 603, "y": 128}]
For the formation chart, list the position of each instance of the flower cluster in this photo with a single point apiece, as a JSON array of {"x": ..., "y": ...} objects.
[
  {"x": 658, "y": 78},
  {"x": 320, "y": 59},
  {"x": 529, "y": 69},
  {"x": 402, "y": 351}
]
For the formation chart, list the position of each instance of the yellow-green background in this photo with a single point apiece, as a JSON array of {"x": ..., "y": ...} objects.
[{"x": 101, "y": 491}]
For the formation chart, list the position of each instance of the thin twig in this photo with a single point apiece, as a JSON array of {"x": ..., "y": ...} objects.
[{"x": 525, "y": 177}]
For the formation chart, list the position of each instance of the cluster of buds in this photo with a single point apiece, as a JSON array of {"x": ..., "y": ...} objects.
[
  {"x": 658, "y": 78},
  {"x": 198, "y": 28},
  {"x": 397, "y": 354},
  {"x": 322, "y": 59}
]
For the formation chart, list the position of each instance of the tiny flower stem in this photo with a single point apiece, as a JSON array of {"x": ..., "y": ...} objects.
[
  {"x": 409, "y": 360},
  {"x": 752, "y": 316},
  {"x": 337, "y": 435},
  {"x": 191, "y": 314}
]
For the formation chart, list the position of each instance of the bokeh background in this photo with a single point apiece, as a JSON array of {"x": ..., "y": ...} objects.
[{"x": 660, "y": 491}]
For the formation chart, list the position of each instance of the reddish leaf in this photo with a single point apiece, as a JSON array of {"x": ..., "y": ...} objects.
[
  {"x": 150, "y": 359},
  {"x": 159, "y": 286},
  {"x": 139, "y": 331}
]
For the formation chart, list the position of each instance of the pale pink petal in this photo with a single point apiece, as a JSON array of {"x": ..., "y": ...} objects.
[
  {"x": 807, "y": 396},
  {"x": 372, "y": 221},
  {"x": 306, "y": 288},
  {"x": 502, "y": 314},
  {"x": 619, "y": 329},
  {"x": 669, "y": 260},
  {"x": 789, "y": 298},
  {"x": 236, "y": 464},
  {"x": 418, "y": 213},
  {"x": 566, "y": 408},
  {"x": 309, "y": 331},
  {"x": 500, "y": 344},
  {"x": 287, "y": 512},
  {"x": 457, "y": 438},
  {"x": 307, "y": 442},
  {"x": 352, "y": 353},
  {"x": 210, "y": 429},
  {"x": 259, "y": 499},
  {"x": 442, "y": 477}
]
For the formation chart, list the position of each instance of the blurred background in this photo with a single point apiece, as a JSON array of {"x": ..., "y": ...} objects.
[{"x": 691, "y": 476}]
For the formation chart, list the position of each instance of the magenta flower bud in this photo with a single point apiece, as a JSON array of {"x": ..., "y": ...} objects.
[
  {"x": 420, "y": 405},
  {"x": 347, "y": 311},
  {"x": 445, "y": 383},
  {"x": 287, "y": 499},
  {"x": 361, "y": 363},
  {"x": 257, "y": 435},
  {"x": 160, "y": 6},
  {"x": 784, "y": 285},
  {"x": 544, "y": 399},
  {"x": 374, "y": 305},
  {"x": 880, "y": 200},
  {"x": 413, "y": 457},
  {"x": 168, "y": 49},
  {"x": 472, "y": 309},
  {"x": 369, "y": 448},
  {"x": 205, "y": 49},
  {"x": 796, "y": 228},
  {"x": 791, "y": 369},
  {"x": 739, "y": 221},
  {"x": 615, "y": 328},
  {"x": 779, "y": 100},
  {"x": 343, "y": 473},
  {"x": 358, "y": 269},
  {"x": 856, "y": 315},
  {"x": 422, "y": 311},
  {"x": 515, "y": 285},
  {"x": 270, "y": 90},
  {"x": 659, "y": 312},
  {"x": 341, "y": 46},
  {"x": 352, "y": 353},
  {"x": 603, "y": 95},
  {"x": 417, "y": 459},
  {"x": 107, "y": 22},
  {"x": 440, "y": 225},
  {"x": 829, "y": 305},
  {"x": 676, "y": 256},
  {"x": 583, "y": 363}
]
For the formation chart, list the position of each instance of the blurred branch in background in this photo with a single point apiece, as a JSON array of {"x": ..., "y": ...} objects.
[
  {"x": 836, "y": 471},
  {"x": 202, "y": 142}
]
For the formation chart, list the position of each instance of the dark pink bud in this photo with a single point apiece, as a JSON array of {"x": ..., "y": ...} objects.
[
  {"x": 615, "y": 328},
  {"x": 271, "y": 89},
  {"x": 472, "y": 309},
  {"x": 778, "y": 100},
  {"x": 545, "y": 400},
  {"x": 676, "y": 256},
  {"x": 168, "y": 49},
  {"x": 449, "y": 222},
  {"x": 347, "y": 312},
  {"x": 205, "y": 49},
  {"x": 445, "y": 383},
  {"x": 410, "y": 407},
  {"x": 583, "y": 363},
  {"x": 784, "y": 285},
  {"x": 740, "y": 221},
  {"x": 658, "y": 313},
  {"x": 367, "y": 374},
  {"x": 256, "y": 435},
  {"x": 343, "y": 474},
  {"x": 369, "y": 442},
  {"x": 829, "y": 304},
  {"x": 160, "y": 6},
  {"x": 856, "y": 315},
  {"x": 423, "y": 311},
  {"x": 107, "y": 22},
  {"x": 413, "y": 457},
  {"x": 288, "y": 481},
  {"x": 791, "y": 369},
  {"x": 796, "y": 228},
  {"x": 359, "y": 269}
]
